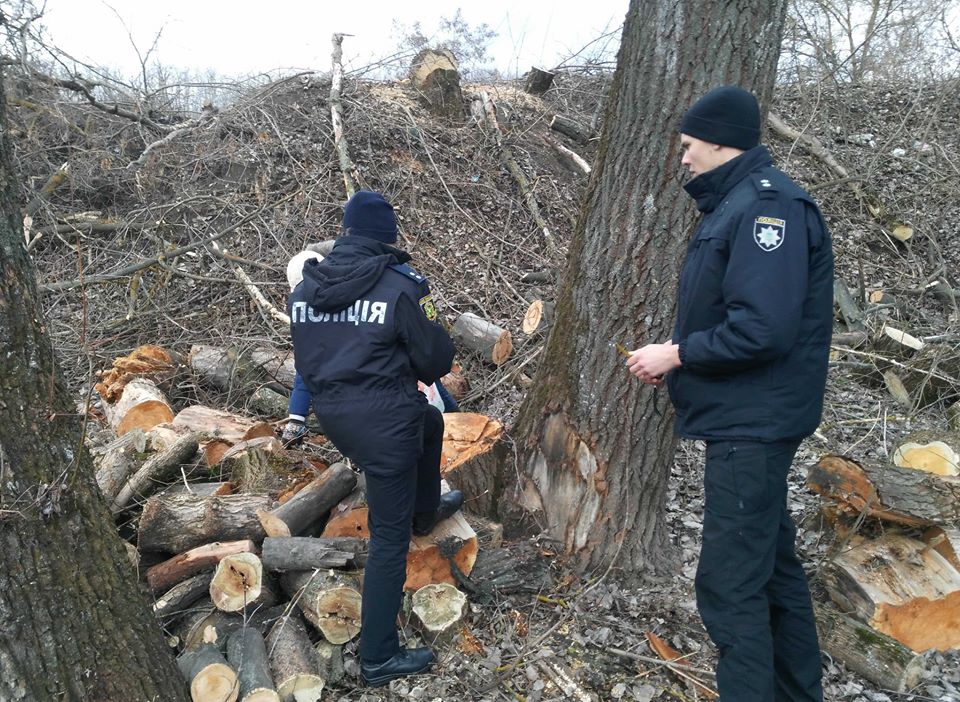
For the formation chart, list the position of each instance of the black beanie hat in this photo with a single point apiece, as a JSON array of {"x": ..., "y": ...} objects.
[
  {"x": 728, "y": 116},
  {"x": 368, "y": 214}
]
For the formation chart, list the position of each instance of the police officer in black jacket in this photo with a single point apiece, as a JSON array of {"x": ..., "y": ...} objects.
[
  {"x": 746, "y": 370},
  {"x": 364, "y": 332}
]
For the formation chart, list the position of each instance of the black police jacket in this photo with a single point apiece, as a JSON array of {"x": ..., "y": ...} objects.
[
  {"x": 754, "y": 309},
  {"x": 363, "y": 327}
]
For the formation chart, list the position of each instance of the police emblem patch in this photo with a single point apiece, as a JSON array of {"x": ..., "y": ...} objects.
[
  {"x": 768, "y": 232},
  {"x": 429, "y": 309}
]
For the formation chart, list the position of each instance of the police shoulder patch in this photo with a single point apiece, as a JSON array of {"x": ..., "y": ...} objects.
[
  {"x": 429, "y": 309},
  {"x": 408, "y": 271},
  {"x": 769, "y": 232}
]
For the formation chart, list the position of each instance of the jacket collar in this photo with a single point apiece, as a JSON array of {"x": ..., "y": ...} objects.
[
  {"x": 709, "y": 188},
  {"x": 365, "y": 246}
]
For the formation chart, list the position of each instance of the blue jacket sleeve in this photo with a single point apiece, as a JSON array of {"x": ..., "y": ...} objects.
[
  {"x": 763, "y": 289},
  {"x": 428, "y": 344}
]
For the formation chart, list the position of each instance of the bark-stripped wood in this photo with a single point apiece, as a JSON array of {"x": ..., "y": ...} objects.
[
  {"x": 312, "y": 503},
  {"x": 900, "y": 587},
  {"x": 177, "y": 569},
  {"x": 293, "y": 661},
  {"x": 877, "y": 657},
  {"x": 493, "y": 343},
  {"x": 901, "y": 495},
  {"x": 141, "y": 406},
  {"x": 247, "y": 653},
  {"x": 238, "y": 583},
  {"x": 351, "y": 177},
  {"x": 158, "y": 470},
  {"x": 438, "y": 610},
  {"x": 210, "y": 677},
  {"x": 329, "y": 599},
  {"x": 176, "y": 523},
  {"x": 472, "y": 449},
  {"x": 308, "y": 553}
]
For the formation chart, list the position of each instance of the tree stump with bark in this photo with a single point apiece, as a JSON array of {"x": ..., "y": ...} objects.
[
  {"x": 438, "y": 610},
  {"x": 471, "y": 458},
  {"x": 435, "y": 75},
  {"x": 538, "y": 81}
]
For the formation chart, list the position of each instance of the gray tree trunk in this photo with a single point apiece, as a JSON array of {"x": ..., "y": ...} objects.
[
  {"x": 596, "y": 445},
  {"x": 73, "y": 625}
]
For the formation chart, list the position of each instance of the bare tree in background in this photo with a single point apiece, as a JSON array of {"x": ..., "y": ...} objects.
[
  {"x": 73, "y": 624},
  {"x": 596, "y": 447}
]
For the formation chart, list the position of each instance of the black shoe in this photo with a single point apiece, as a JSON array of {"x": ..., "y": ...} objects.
[
  {"x": 450, "y": 502},
  {"x": 409, "y": 661}
]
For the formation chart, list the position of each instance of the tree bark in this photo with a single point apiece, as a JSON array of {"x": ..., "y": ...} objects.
[
  {"x": 293, "y": 661},
  {"x": 311, "y": 504},
  {"x": 175, "y": 523},
  {"x": 307, "y": 553},
  {"x": 329, "y": 599},
  {"x": 66, "y": 588},
  {"x": 596, "y": 445},
  {"x": 247, "y": 653}
]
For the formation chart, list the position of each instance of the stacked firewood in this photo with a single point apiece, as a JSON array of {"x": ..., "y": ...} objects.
[
  {"x": 253, "y": 552},
  {"x": 894, "y": 576}
]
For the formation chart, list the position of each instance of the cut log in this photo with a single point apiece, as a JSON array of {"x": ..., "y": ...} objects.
[
  {"x": 203, "y": 616},
  {"x": 174, "y": 602},
  {"x": 225, "y": 368},
  {"x": 117, "y": 460},
  {"x": 266, "y": 402},
  {"x": 201, "y": 489},
  {"x": 247, "y": 653},
  {"x": 538, "y": 81},
  {"x": 538, "y": 317},
  {"x": 214, "y": 424},
  {"x": 898, "y": 391},
  {"x": 255, "y": 465},
  {"x": 176, "y": 523},
  {"x": 238, "y": 584},
  {"x": 141, "y": 406},
  {"x": 293, "y": 661},
  {"x": 312, "y": 503},
  {"x": 471, "y": 457},
  {"x": 159, "y": 469},
  {"x": 895, "y": 343},
  {"x": 891, "y": 493},
  {"x": 435, "y": 75},
  {"x": 211, "y": 678},
  {"x": 438, "y": 610},
  {"x": 306, "y": 553},
  {"x": 150, "y": 362},
  {"x": 493, "y": 343},
  {"x": 877, "y": 657},
  {"x": 348, "y": 519},
  {"x": 165, "y": 575},
  {"x": 850, "y": 339},
  {"x": 572, "y": 156},
  {"x": 930, "y": 451},
  {"x": 901, "y": 588},
  {"x": 946, "y": 542},
  {"x": 329, "y": 599},
  {"x": 519, "y": 567},
  {"x": 330, "y": 662},
  {"x": 571, "y": 128},
  {"x": 849, "y": 309}
]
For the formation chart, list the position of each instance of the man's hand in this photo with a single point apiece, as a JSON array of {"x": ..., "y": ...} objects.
[{"x": 651, "y": 362}]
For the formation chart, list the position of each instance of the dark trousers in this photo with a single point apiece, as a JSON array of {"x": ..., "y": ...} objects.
[
  {"x": 751, "y": 589},
  {"x": 397, "y": 443}
]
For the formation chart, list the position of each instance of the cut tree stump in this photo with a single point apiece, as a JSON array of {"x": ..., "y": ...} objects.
[
  {"x": 538, "y": 81},
  {"x": 438, "y": 610},
  {"x": 141, "y": 406},
  {"x": 900, "y": 587},
  {"x": 538, "y": 317},
  {"x": 894, "y": 494},
  {"x": 116, "y": 461},
  {"x": 471, "y": 458},
  {"x": 247, "y": 653},
  {"x": 307, "y": 553},
  {"x": 930, "y": 451},
  {"x": 293, "y": 661},
  {"x": 493, "y": 343},
  {"x": 177, "y": 523},
  {"x": 895, "y": 343},
  {"x": 165, "y": 575},
  {"x": 174, "y": 602},
  {"x": 211, "y": 679},
  {"x": 253, "y": 465},
  {"x": 518, "y": 567},
  {"x": 435, "y": 75},
  {"x": 329, "y": 599},
  {"x": 879, "y": 658},
  {"x": 158, "y": 470},
  {"x": 311, "y": 504},
  {"x": 238, "y": 583}
]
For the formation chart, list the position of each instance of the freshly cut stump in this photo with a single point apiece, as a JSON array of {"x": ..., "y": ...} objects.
[{"x": 438, "y": 610}]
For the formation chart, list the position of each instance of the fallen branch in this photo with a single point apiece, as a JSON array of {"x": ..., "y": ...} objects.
[
  {"x": 252, "y": 289},
  {"x": 350, "y": 175},
  {"x": 187, "y": 127}
]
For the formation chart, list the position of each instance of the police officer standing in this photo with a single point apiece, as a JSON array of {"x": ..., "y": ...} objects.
[
  {"x": 746, "y": 370},
  {"x": 364, "y": 332}
]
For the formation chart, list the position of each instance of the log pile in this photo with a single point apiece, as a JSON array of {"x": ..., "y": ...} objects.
[
  {"x": 254, "y": 553},
  {"x": 895, "y": 577}
]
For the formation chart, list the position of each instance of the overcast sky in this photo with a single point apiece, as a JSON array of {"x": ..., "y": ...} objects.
[{"x": 247, "y": 36}]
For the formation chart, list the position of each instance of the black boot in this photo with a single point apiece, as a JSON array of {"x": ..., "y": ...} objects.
[
  {"x": 409, "y": 661},
  {"x": 450, "y": 502}
]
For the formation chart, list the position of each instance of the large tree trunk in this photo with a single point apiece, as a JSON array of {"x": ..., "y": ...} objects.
[
  {"x": 73, "y": 625},
  {"x": 597, "y": 445}
]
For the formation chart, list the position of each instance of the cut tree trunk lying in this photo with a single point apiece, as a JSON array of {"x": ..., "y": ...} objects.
[
  {"x": 306, "y": 553},
  {"x": 158, "y": 470},
  {"x": 165, "y": 575},
  {"x": 329, "y": 599},
  {"x": 175, "y": 601},
  {"x": 150, "y": 362},
  {"x": 472, "y": 455},
  {"x": 211, "y": 678},
  {"x": 214, "y": 424},
  {"x": 176, "y": 523},
  {"x": 141, "y": 406},
  {"x": 493, "y": 343},
  {"x": 293, "y": 661},
  {"x": 901, "y": 495},
  {"x": 247, "y": 653},
  {"x": 900, "y": 587},
  {"x": 571, "y": 128},
  {"x": 311, "y": 504}
]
